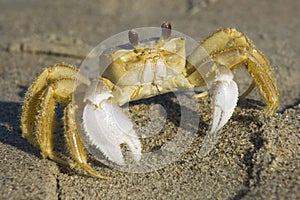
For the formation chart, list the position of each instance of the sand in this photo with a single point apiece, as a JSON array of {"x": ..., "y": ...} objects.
[{"x": 256, "y": 157}]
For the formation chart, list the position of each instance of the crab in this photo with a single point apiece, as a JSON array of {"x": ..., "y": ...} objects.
[{"x": 146, "y": 70}]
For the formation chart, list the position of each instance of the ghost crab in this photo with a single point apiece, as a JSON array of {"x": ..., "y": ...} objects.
[{"x": 147, "y": 69}]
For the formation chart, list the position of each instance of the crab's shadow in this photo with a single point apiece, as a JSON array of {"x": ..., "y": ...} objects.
[
  {"x": 179, "y": 114},
  {"x": 10, "y": 131}
]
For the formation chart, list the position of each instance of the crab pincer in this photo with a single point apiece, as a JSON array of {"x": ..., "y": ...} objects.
[
  {"x": 107, "y": 127},
  {"x": 224, "y": 98}
]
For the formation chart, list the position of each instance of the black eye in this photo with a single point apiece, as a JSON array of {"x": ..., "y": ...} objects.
[
  {"x": 166, "y": 30},
  {"x": 133, "y": 37}
]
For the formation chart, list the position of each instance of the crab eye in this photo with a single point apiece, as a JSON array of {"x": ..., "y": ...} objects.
[
  {"x": 166, "y": 30},
  {"x": 133, "y": 37}
]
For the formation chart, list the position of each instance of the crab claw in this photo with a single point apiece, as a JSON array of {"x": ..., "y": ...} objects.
[
  {"x": 107, "y": 127},
  {"x": 224, "y": 98}
]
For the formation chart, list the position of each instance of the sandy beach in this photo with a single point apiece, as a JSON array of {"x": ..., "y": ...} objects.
[{"x": 256, "y": 157}]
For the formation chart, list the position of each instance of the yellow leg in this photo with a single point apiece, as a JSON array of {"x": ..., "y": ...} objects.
[
  {"x": 39, "y": 105},
  {"x": 76, "y": 147},
  {"x": 32, "y": 97},
  {"x": 232, "y": 48},
  {"x": 264, "y": 78},
  {"x": 30, "y": 107},
  {"x": 216, "y": 42},
  {"x": 54, "y": 84},
  {"x": 44, "y": 127},
  {"x": 225, "y": 38},
  {"x": 259, "y": 69}
]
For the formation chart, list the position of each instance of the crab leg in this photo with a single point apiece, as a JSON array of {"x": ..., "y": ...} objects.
[
  {"x": 224, "y": 38},
  {"x": 221, "y": 39},
  {"x": 76, "y": 147},
  {"x": 45, "y": 119},
  {"x": 30, "y": 108},
  {"x": 33, "y": 96},
  {"x": 232, "y": 48},
  {"x": 50, "y": 86},
  {"x": 259, "y": 70}
]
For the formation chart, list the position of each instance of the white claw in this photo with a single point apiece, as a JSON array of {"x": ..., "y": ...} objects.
[
  {"x": 107, "y": 127},
  {"x": 224, "y": 100}
]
